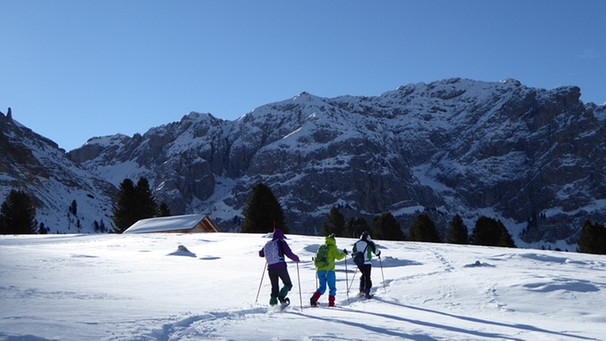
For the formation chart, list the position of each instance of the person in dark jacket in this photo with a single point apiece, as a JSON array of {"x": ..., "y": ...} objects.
[
  {"x": 274, "y": 252},
  {"x": 366, "y": 247}
]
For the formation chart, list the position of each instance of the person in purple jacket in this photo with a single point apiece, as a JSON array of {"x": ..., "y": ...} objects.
[{"x": 274, "y": 252}]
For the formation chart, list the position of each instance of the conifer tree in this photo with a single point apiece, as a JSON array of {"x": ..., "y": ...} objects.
[
  {"x": 386, "y": 227},
  {"x": 17, "y": 214},
  {"x": 423, "y": 230},
  {"x": 355, "y": 226},
  {"x": 262, "y": 212},
  {"x": 457, "y": 231},
  {"x": 125, "y": 208},
  {"x": 490, "y": 232},
  {"x": 592, "y": 238},
  {"x": 133, "y": 203},
  {"x": 505, "y": 239},
  {"x": 334, "y": 223},
  {"x": 73, "y": 208},
  {"x": 147, "y": 207},
  {"x": 164, "y": 210}
]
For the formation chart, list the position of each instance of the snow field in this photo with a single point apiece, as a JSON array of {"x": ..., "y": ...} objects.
[{"x": 142, "y": 287}]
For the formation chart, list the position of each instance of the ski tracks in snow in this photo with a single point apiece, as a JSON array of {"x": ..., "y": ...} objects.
[{"x": 210, "y": 325}]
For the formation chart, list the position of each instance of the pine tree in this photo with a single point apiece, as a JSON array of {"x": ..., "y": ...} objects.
[
  {"x": 17, "y": 214},
  {"x": 42, "y": 229},
  {"x": 424, "y": 230},
  {"x": 355, "y": 227},
  {"x": 262, "y": 212},
  {"x": 592, "y": 238},
  {"x": 490, "y": 232},
  {"x": 505, "y": 239},
  {"x": 386, "y": 227},
  {"x": 133, "y": 203},
  {"x": 147, "y": 207},
  {"x": 457, "y": 231},
  {"x": 334, "y": 223},
  {"x": 73, "y": 208},
  {"x": 164, "y": 210},
  {"x": 125, "y": 209}
]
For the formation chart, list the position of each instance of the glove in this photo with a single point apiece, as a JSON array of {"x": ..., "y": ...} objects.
[
  {"x": 296, "y": 259},
  {"x": 379, "y": 254},
  {"x": 345, "y": 251}
]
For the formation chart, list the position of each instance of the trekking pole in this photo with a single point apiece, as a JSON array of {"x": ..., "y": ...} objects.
[
  {"x": 260, "y": 283},
  {"x": 352, "y": 279},
  {"x": 316, "y": 274},
  {"x": 382, "y": 276},
  {"x": 346, "y": 279},
  {"x": 299, "y": 279}
]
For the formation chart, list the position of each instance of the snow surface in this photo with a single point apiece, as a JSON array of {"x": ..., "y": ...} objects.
[{"x": 146, "y": 287}]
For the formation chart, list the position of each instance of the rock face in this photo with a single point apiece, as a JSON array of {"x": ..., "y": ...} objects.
[
  {"x": 530, "y": 157},
  {"x": 36, "y": 165},
  {"x": 533, "y": 158}
]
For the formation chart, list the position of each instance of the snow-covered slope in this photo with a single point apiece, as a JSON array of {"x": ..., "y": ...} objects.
[
  {"x": 36, "y": 165},
  {"x": 142, "y": 287}
]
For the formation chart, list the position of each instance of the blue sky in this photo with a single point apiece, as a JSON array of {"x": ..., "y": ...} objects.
[{"x": 74, "y": 69}]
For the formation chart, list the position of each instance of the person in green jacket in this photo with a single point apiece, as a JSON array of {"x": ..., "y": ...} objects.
[{"x": 326, "y": 273}]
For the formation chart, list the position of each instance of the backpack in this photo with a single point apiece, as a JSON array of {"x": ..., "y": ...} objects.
[
  {"x": 321, "y": 259},
  {"x": 359, "y": 257},
  {"x": 272, "y": 252}
]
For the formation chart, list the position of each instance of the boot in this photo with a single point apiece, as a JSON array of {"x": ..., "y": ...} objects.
[
  {"x": 313, "y": 301},
  {"x": 282, "y": 294},
  {"x": 331, "y": 301},
  {"x": 273, "y": 300}
]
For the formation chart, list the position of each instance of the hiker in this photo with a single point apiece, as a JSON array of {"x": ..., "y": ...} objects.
[
  {"x": 325, "y": 270},
  {"x": 362, "y": 253},
  {"x": 274, "y": 252}
]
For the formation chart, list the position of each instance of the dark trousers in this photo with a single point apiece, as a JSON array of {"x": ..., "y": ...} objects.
[
  {"x": 274, "y": 276},
  {"x": 365, "y": 282}
]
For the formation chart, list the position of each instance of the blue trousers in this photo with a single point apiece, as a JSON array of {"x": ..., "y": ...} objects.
[{"x": 327, "y": 277}]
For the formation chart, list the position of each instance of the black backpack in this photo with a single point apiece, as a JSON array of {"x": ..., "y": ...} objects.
[{"x": 359, "y": 257}]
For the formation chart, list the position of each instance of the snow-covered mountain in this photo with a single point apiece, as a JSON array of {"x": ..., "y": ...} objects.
[
  {"x": 533, "y": 158},
  {"x": 38, "y": 166}
]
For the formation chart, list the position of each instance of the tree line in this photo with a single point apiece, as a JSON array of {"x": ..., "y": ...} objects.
[
  {"x": 263, "y": 213},
  {"x": 132, "y": 203},
  {"x": 487, "y": 231}
]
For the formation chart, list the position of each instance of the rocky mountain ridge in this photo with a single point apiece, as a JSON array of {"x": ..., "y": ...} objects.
[
  {"x": 36, "y": 165},
  {"x": 532, "y": 158}
]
